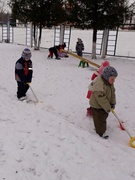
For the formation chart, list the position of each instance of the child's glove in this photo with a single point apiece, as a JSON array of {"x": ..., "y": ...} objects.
[
  {"x": 108, "y": 111},
  {"x": 28, "y": 83},
  {"x": 112, "y": 106}
]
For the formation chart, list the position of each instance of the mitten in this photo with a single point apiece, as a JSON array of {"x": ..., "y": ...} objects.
[
  {"x": 28, "y": 83},
  {"x": 108, "y": 111},
  {"x": 112, "y": 106}
]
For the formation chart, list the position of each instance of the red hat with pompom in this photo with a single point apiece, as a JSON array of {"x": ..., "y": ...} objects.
[{"x": 104, "y": 64}]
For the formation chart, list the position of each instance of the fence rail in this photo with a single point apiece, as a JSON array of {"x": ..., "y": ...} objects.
[{"x": 125, "y": 40}]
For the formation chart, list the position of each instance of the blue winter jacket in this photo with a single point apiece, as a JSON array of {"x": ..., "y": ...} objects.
[{"x": 20, "y": 70}]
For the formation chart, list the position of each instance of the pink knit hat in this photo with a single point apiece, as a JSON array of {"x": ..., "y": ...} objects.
[{"x": 104, "y": 64}]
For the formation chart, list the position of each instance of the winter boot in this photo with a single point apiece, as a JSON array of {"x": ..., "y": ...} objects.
[
  {"x": 49, "y": 56},
  {"x": 22, "y": 98},
  {"x": 104, "y": 136},
  {"x": 57, "y": 58}
]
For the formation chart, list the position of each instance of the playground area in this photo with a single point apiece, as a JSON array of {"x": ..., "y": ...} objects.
[
  {"x": 59, "y": 125},
  {"x": 124, "y": 46}
]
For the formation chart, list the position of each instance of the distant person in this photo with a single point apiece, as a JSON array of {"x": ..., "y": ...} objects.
[
  {"x": 79, "y": 47},
  {"x": 54, "y": 50},
  {"x": 94, "y": 75},
  {"x": 79, "y": 50},
  {"x": 103, "y": 99},
  {"x": 23, "y": 73}
]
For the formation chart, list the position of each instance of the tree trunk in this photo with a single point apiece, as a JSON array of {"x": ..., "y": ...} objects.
[
  {"x": 35, "y": 37},
  {"x": 39, "y": 38},
  {"x": 62, "y": 28},
  {"x": 94, "y": 43},
  {"x": 104, "y": 44}
]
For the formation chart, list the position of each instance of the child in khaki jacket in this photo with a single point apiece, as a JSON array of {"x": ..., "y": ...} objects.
[
  {"x": 95, "y": 74},
  {"x": 103, "y": 99}
]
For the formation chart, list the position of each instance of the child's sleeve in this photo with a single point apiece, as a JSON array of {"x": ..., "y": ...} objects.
[{"x": 93, "y": 76}]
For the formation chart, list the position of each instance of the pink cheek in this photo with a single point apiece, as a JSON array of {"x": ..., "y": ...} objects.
[{"x": 111, "y": 81}]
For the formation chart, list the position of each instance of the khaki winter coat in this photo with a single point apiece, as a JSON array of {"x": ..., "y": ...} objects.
[{"x": 103, "y": 94}]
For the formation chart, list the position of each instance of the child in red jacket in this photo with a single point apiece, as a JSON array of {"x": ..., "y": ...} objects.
[{"x": 95, "y": 74}]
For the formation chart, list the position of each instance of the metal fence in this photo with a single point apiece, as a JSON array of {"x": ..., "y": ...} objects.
[{"x": 124, "y": 48}]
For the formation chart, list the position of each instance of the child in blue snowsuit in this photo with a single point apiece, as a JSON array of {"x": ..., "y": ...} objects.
[{"x": 23, "y": 74}]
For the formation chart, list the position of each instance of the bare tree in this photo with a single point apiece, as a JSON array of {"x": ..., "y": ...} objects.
[
  {"x": 4, "y": 11},
  {"x": 41, "y": 13},
  {"x": 98, "y": 15}
]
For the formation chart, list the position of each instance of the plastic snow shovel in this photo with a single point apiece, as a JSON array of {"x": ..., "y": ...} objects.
[
  {"x": 132, "y": 139},
  {"x": 120, "y": 122},
  {"x": 37, "y": 101}
]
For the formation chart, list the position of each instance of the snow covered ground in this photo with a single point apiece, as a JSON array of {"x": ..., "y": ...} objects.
[{"x": 55, "y": 140}]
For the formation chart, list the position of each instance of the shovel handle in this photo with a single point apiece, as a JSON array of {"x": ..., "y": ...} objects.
[
  {"x": 121, "y": 125},
  {"x": 116, "y": 116},
  {"x": 34, "y": 94}
]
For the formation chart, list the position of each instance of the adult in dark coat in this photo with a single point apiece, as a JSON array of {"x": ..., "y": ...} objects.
[{"x": 23, "y": 73}]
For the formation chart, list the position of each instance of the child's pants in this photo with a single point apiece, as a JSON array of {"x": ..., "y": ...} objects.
[
  {"x": 22, "y": 89},
  {"x": 99, "y": 118},
  {"x": 51, "y": 54}
]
